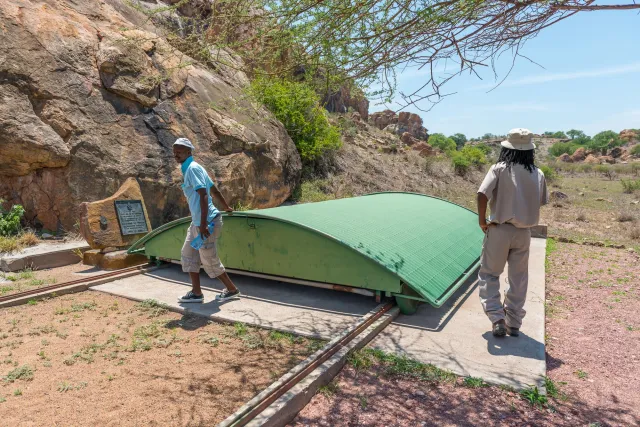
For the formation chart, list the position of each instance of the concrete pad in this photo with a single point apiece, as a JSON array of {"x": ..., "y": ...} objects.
[
  {"x": 43, "y": 255},
  {"x": 303, "y": 310},
  {"x": 458, "y": 336}
]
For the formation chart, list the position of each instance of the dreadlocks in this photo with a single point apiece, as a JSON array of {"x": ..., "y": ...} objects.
[{"x": 518, "y": 157}]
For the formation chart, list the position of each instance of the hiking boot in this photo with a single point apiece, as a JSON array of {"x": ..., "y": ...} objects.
[
  {"x": 514, "y": 332},
  {"x": 499, "y": 329},
  {"x": 228, "y": 295},
  {"x": 191, "y": 297}
]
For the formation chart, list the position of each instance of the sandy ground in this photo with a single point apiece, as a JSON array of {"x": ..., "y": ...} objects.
[
  {"x": 95, "y": 359},
  {"x": 19, "y": 281},
  {"x": 593, "y": 337}
]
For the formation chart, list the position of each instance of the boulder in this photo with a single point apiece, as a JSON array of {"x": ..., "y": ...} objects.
[
  {"x": 92, "y": 94},
  {"x": 424, "y": 149},
  {"x": 607, "y": 159},
  {"x": 356, "y": 117},
  {"x": 559, "y": 195},
  {"x": 408, "y": 139},
  {"x": 617, "y": 152},
  {"x": 382, "y": 119},
  {"x": 579, "y": 155},
  {"x": 564, "y": 157},
  {"x": 629, "y": 135},
  {"x": 592, "y": 160},
  {"x": 99, "y": 223},
  {"x": 115, "y": 260}
]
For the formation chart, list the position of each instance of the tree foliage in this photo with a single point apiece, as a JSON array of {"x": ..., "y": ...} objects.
[
  {"x": 604, "y": 141},
  {"x": 574, "y": 133},
  {"x": 560, "y": 148},
  {"x": 371, "y": 40},
  {"x": 459, "y": 139},
  {"x": 438, "y": 140}
]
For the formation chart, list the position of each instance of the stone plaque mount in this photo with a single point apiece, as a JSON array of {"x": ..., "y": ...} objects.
[{"x": 131, "y": 217}]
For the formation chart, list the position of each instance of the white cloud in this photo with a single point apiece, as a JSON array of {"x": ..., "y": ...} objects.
[{"x": 553, "y": 77}]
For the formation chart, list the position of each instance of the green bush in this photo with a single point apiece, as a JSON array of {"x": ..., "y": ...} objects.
[
  {"x": 629, "y": 186},
  {"x": 438, "y": 140},
  {"x": 484, "y": 148},
  {"x": 10, "y": 220},
  {"x": 605, "y": 140},
  {"x": 297, "y": 106},
  {"x": 475, "y": 155},
  {"x": 461, "y": 163},
  {"x": 459, "y": 139},
  {"x": 636, "y": 150},
  {"x": 550, "y": 174},
  {"x": 560, "y": 148}
]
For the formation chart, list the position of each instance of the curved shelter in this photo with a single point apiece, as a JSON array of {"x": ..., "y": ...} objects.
[{"x": 410, "y": 246}]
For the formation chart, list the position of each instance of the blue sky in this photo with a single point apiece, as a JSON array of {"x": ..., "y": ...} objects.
[{"x": 591, "y": 82}]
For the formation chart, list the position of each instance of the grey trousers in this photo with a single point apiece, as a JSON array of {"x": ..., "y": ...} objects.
[{"x": 502, "y": 243}]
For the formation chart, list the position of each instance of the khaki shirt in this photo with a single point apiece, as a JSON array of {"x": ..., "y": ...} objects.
[{"x": 515, "y": 194}]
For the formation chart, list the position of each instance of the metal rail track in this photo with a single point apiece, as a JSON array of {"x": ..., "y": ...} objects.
[
  {"x": 35, "y": 291},
  {"x": 255, "y": 406}
]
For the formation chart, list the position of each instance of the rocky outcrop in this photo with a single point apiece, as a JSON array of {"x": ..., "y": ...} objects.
[
  {"x": 424, "y": 149},
  {"x": 92, "y": 94},
  {"x": 617, "y": 152},
  {"x": 344, "y": 98},
  {"x": 592, "y": 160},
  {"x": 579, "y": 155},
  {"x": 564, "y": 157},
  {"x": 398, "y": 124},
  {"x": 607, "y": 159},
  {"x": 630, "y": 135}
]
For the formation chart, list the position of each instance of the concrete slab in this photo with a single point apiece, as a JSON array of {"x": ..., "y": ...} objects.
[
  {"x": 457, "y": 336},
  {"x": 43, "y": 255},
  {"x": 307, "y": 311}
]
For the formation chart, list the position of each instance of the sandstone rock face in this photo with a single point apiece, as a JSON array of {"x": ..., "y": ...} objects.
[
  {"x": 92, "y": 94},
  {"x": 391, "y": 122},
  {"x": 564, "y": 157},
  {"x": 579, "y": 155},
  {"x": 629, "y": 135},
  {"x": 592, "y": 160},
  {"x": 341, "y": 100},
  {"x": 408, "y": 139},
  {"x": 424, "y": 149},
  {"x": 617, "y": 152},
  {"x": 607, "y": 159},
  {"x": 99, "y": 221}
]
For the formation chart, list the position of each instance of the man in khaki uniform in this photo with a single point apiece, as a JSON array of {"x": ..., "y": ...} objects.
[{"x": 515, "y": 189}]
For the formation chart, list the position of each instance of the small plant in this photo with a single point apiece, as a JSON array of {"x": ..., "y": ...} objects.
[
  {"x": 153, "y": 307},
  {"x": 329, "y": 390},
  {"x": 363, "y": 401},
  {"x": 550, "y": 174},
  {"x": 474, "y": 382},
  {"x": 553, "y": 388},
  {"x": 24, "y": 372},
  {"x": 281, "y": 336},
  {"x": 240, "y": 329},
  {"x": 32, "y": 302},
  {"x": 10, "y": 219},
  {"x": 629, "y": 186},
  {"x": 17, "y": 392},
  {"x": 534, "y": 397},
  {"x": 581, "y": 374}
]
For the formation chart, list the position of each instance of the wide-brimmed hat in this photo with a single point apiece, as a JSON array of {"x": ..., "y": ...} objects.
[
  {"x": 519, "y": 139},
  {"x": 185, "y": 143}
]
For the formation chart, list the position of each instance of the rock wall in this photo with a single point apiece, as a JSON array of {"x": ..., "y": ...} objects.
[
  {"x": 92, "y": 94},
  {"x": 399, "y": 124}
]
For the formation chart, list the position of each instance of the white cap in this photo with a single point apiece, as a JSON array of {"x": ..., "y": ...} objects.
[
  {"x": 519, "y": 139},
  {"x": 184, "y": 142}
]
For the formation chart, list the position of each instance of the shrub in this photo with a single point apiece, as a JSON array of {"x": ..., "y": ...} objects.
[
  {"x": 484, "y": 148},
  {"x": 625, "y": 217},
  {"x": 550, "y": 174},
  {"x": 560, "y": 148},
  {"x": 10, "y": 220},
  {"x": 461, "y": 162},
  {"x": 635, "y": 151},
  {"x": 297, "y": 106},
  {"x": 605, "y": 140},
  {"x": 629, "y": 186},
  {"x": 311, "y": 191},
  {"x": 459, "y": 139},
  {"x": 438, "y": 140},
  {"x": 475, "y": 155}
]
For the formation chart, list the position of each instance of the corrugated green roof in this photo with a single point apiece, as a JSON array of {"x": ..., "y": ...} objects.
[{"x": 427, "y": 242}]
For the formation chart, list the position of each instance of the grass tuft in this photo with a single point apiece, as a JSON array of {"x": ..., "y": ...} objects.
[
  {"x": 534, "y": 397},
  {"x": 24, "y": 372},
  {"x": 474, "y": 382}
]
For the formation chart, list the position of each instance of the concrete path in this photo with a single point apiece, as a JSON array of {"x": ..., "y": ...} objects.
[
  {"x": 457, "y": 336},
  {"x": 307, "y": 311}
]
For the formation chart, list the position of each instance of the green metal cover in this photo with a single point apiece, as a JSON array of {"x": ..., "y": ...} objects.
[{"x": 427, "y": 242}]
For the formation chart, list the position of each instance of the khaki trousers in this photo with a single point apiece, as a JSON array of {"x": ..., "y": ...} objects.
[
  {"x": 207, "y": 256},
  {"x": 502, "y": 243}
]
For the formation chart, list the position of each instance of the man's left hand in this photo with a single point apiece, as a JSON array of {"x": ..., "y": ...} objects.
[{"x": 204, "y": 231}]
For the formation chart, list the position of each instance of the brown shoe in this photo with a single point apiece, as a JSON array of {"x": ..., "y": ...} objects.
[
  {"x": 514, "y": 332},
  {"x": 499, "y": 329}
]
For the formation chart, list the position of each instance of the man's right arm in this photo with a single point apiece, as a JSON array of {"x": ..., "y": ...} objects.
[
  {"x": 486, "y": 188},
  {"x": 482, "y": 211}
]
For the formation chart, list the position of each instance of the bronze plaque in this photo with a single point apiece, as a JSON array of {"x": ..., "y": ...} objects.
[{"x": 131, "y": 217}]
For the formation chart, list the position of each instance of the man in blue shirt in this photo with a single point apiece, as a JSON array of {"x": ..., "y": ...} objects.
[{"x": 198, "y": 188}]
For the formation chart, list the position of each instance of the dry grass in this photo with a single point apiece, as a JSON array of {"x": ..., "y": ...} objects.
[
  {"x": 16, "y": 243},
  {"x": 625, "y": 217},
  {"x": 635, "y": 233}
]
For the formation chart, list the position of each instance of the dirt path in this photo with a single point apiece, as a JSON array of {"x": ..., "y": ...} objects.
[
  {"x": 94, "y": 359},
  {"x": 593, "y": 357}
]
